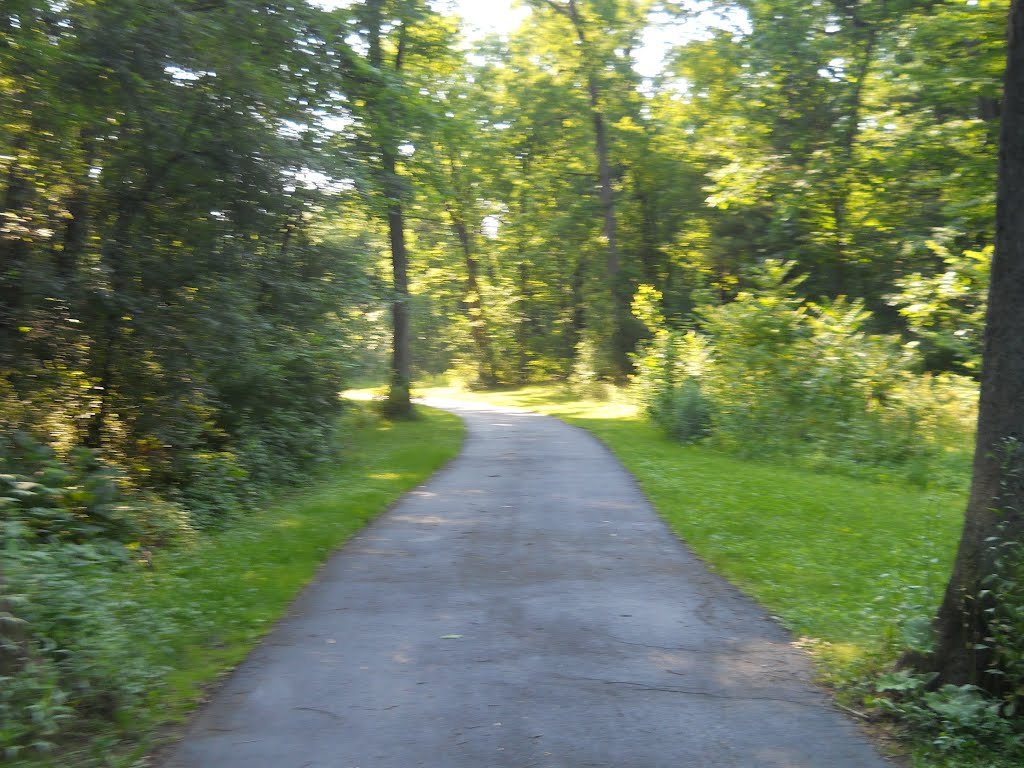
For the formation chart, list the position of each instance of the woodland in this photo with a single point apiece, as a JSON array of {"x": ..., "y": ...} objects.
[{"x": 216, "y": 215}]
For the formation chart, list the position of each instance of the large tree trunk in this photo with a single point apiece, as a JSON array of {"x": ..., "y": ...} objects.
[
  {"x": 995, "y": 510},
  {"x": 399, "y": 403}
]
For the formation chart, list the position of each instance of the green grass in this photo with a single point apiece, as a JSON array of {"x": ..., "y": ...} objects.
[
  {"x": 841, "y": 561},
  {"x": 210, "y": 603}
]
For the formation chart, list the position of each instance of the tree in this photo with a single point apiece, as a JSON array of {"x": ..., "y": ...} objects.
[
  {"x": 968, "y": 648},
  {"x": 161, "y": 298},
  {"x": 383, "y": 105},
  {"x": 618, "y": 24},
  {"x": 392, "y": 104}
]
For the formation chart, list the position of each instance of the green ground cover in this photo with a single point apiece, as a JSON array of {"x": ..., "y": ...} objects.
[{"x": 200, "y": 610}]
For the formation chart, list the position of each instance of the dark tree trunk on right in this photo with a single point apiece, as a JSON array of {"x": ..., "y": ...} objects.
[{"x": 994, "y": 512}]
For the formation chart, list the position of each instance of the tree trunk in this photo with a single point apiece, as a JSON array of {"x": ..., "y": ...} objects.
[
  {"x": 399, "y": 403},
  {"x": 579, "y": 312},
  {"x": 14, "y": 255},
  {"x": 848, "y": 138},
  {"x": 113, "y": 305},
  {"x": 996, "y": 504},
  {"x": 523, "y": 322}
]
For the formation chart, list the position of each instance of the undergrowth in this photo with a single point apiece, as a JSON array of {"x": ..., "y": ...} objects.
[
  {"x": 774, "y": 375},
  {"x": 105, "y": 640}
]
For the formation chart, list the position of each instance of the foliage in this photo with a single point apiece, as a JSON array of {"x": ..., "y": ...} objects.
[
  {"x": 81, "y": 500},
  {"x": 1003, "y": 594},
  {"x": 960, "y": 720},
  {"x": 208, "y": 212},
  {"x": 945, "y": 312},
  {"x": 771, "y": 373},
  {"x": 86, "y": 654},
  {"x": 856, "y": 142},
  {"x": 163, "y": 297},
  {"x": 670, "y": 372},
  {"x": 113, "y": 648},
  {"x": 70, "y": 646}
]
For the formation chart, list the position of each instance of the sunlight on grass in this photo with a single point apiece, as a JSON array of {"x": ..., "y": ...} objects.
[{"x": 548, "y": 399}]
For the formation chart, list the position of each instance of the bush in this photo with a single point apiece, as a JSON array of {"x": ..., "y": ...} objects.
[
  {"x": 591, "y": 371},
  {"x": 959, "y": 720},
  {"x": 670, "y": 370},
  {"x": 69, "y": 643},
  {"x": 774, "y": 374},
  {"x": 75, "y": 648},
  {"x": 80, "y": 499},
  {"x": 685, "y": 412}
]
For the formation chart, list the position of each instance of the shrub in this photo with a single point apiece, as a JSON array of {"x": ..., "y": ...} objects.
[
  {"x": 685, "y": 412},
  {"x": 69, "y": 643},
  {"x": 76, "y": 649},
  {"x": 591, "y": 370},
  {"x": 80, "y": 499},
  {"x": 771, "y": 373},
  {"x": 670, "y": 370}
]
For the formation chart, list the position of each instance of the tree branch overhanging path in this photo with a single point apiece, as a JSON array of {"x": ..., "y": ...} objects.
[{"x": 525, "y": 607}]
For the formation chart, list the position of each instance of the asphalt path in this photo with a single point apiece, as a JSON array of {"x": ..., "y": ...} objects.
[{"x": 525, "y": 608}]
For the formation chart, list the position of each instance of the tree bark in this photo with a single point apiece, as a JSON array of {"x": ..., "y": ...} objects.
[
  {"x": 399, "y": 403},
  {"x": 76, "y": 230},
  {"x": 995, "y": 510},
  {"x": 523, "y": 320},
  {"x": 14, "y": 254},
  {"x": 848, "y": 138}
]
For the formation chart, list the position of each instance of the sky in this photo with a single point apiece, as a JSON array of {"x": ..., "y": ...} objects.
[
  {"x": 491, "y": 15},
  {"x": 502, "y": 16}
]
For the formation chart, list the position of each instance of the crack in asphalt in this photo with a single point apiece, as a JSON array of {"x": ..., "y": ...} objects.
[{"x": 692, "y": 692}]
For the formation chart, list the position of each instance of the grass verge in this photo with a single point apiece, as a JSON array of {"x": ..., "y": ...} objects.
[
  {"x": 852, "y": 567},
  {"x": 200, "y": 610}
]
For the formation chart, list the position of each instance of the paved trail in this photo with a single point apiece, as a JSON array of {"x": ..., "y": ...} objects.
[{"x": 526, "y": 608}]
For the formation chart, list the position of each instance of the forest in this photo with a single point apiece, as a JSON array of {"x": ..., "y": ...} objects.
[{"x": 217, "y": 215}]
